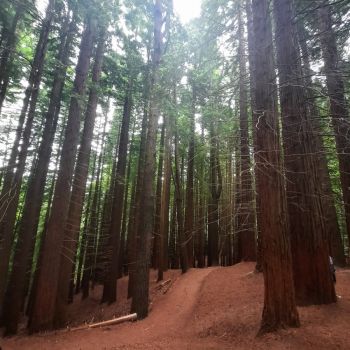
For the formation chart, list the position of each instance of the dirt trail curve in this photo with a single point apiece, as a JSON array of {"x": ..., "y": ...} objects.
[
  {"x": 165, "y": 328},
  {"x": 206, "y": 309}
]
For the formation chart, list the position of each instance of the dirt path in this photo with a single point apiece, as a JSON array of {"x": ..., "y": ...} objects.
[
  {"x": 164, "y": 328},
  {"x": 208, "y": 309}
]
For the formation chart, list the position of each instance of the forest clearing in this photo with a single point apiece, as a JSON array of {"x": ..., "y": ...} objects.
[{"x": 174, "y": 174}]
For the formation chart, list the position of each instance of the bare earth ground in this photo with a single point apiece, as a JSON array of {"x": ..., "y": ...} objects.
[{"x": 218, "y": 308}]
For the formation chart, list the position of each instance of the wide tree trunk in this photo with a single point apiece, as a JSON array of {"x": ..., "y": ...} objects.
[
  {"x": 48, "y": 276},
  {"x": 338, "y": 105},
  {"x": 279, "y": 299},
  {"x": 312, "y": 279}
]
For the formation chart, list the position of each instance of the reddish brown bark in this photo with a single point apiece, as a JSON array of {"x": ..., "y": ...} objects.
[
  {"x": 145, "y": 226},
  {"x": 313, "y": 282},
  {"x": 326, "y": 193},
  {"x": 35, "y": 192},
  {"x": 75, "y": 211},
  {"x": 9, "y": 196},
  {"x": 279, "y": 299},
  {"x": 46, "y": 291}
]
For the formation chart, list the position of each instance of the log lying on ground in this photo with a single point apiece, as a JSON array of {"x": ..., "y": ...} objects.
[
  {"x": 163, "y": 284},
  {"x": 114, "y": 321}
]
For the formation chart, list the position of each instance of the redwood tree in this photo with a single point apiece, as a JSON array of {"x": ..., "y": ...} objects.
[
  {"x": 279, "y": 298},
  {"x": 43, "y": 310},
  {"x": 313, "y": 282}
]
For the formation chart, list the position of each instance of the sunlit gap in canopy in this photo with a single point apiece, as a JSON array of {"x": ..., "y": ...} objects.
[{"x": 187, "y": 9}]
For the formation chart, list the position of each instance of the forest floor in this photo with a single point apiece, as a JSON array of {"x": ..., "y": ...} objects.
[{"x": 215, "y": 308}]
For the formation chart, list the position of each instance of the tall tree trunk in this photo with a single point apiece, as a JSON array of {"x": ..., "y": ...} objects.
[
  {"x": 246, "y": 235},
  {"x": 215, "y": 193},
  {"x": 312, "y": 279},
  {"x": 181, "y": 239},
  {"x": 279, "y": 300},
  {"x": 157, "y": 214},
  {"x": 165, "y": 203},
  {"x": 9, "y": 197},
  {"x": 91, "y": 235},
  {"x": 140, "y": 300},
  {"x": 35, "y": 192},
  {"x": 45, "y": 298},
  {"x": 338, "y": 106},
  {"x": 75, "y": 211},
  {"x": 189, "y": 204},
  {"x": 327, "y": 197},
  {"x": 133, "y": 227},
  {"x": 122, "y": 264},
  {"x": 110, "y": 285}
]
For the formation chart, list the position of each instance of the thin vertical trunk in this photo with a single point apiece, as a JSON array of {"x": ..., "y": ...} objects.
[
  {"x": 110, "y": 285},
  {"x": 279, "y": 300},
  {"x": 83, "y": 239},
  {"x": 181, "y": 239},
  {"x": 122, "y": 264},
  {"x": 91, "y": 235},
  {"x": 165, "y": 203},
  {"x": 246, "y": 235},
  {"x": 189, "y": 204},
  {"x": 215, "y": 189},
  {"x": 252, "y": 56},
  {"x": 157, "y": 215},
  {"x": 45, "y": 298},
  {"x": 236, "y": 207}
]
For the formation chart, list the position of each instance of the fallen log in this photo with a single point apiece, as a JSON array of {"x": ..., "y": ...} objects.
[
  {"x": 114, "y": 321},
  {"x": 163, "y": 284}
]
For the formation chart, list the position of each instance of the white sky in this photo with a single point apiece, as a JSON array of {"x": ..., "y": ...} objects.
[{"x": 186, "y": 9}]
